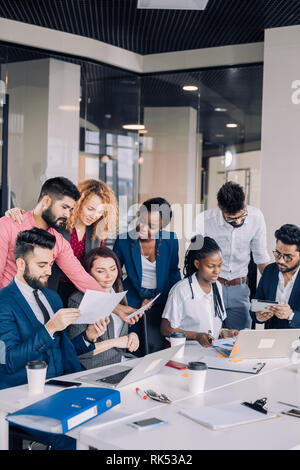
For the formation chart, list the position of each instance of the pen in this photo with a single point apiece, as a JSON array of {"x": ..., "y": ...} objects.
[
  {"x": 210, "y": 340},
  {"x": 141, "y": 393},
  {"x": 288, "y": 404}
]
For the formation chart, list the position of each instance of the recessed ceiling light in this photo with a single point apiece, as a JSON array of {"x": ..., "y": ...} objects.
[
  {"x": 133, "y": 127},
  {"x": 190, "y": 88},
  {"x": 221, "y": 110},
  {"x": 231, "y": 125}
]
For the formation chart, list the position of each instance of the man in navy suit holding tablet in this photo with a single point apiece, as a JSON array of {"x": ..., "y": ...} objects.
[{"x": 280, "y": 281}]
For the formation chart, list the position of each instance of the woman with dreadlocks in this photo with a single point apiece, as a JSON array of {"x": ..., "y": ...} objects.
[{"x": 195, "y": 304}]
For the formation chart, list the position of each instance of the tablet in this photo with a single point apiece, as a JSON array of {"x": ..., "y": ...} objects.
[{"x": 258, "y": 305}]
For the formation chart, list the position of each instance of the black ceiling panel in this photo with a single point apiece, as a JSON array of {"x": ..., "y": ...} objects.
[{"x": 120, "y": 23}]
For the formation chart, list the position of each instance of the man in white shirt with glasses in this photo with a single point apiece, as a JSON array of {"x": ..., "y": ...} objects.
[{"x": 239, "y": 230}]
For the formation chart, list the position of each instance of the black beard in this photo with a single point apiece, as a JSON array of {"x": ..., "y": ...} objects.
[
  {"x": 236, "y": 226},
  {"x": 48, "y": 217},
  {"x": 32, "y": 281},
  {"x": 293, "y": 268}
]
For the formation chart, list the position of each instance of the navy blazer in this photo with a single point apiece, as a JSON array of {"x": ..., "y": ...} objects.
[
  {"x": 128, "y": 250},
  {"x": 23, "y": 338},
  {"x": 266, "y": 290}
]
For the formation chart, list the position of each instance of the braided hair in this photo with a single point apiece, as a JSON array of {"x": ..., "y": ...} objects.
[{"x": 200, "y": 247}]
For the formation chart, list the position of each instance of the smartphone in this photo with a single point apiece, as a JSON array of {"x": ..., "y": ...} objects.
[
  {"x": 176, "y": 365},
  {"x": 147, "y": 423},
  {"x": 292, "y": 412},
  {"x": 63, "y": 383}
]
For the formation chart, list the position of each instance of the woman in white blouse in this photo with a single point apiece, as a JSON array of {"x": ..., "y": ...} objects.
[{"x": 195, "y": 304}]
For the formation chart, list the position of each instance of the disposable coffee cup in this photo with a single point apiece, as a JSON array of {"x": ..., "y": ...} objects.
[
  {"x": 178, "y": 338},
  {"x": 36, "y": 375},
  {"x": 196, "y": 376}
]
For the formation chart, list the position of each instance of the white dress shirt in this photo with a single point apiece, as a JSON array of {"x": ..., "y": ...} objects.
[
  {"x": 27, "y": 293},
  {"x": 236, "y": 243},
  {"x": 283, "y": 292},
  {"x": 190, "y": 314},
  {"x": 148, "y": 273}
]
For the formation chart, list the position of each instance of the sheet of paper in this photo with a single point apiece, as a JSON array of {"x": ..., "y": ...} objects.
[
  {"x": 96, "y": 305},
  {"x": 119, "y": 414},
  {"x": 225, "y": 415},
  {"x": 142, "y": 309}
]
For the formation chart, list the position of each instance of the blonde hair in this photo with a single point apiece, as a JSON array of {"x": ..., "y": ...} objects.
[{"x": 106, "y": 225}]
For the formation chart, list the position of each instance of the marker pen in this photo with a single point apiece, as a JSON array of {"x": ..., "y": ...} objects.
[{"x": 141, "y": 393}]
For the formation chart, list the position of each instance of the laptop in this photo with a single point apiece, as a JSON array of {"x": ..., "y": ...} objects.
[
  {"x": 262, "y": 344},
  {"x": 120, "y": 375}
]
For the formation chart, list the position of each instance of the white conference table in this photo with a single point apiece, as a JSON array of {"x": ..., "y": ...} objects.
[
  {"x": 181, "y": 433},
  {"x": 110, "y": 430}
]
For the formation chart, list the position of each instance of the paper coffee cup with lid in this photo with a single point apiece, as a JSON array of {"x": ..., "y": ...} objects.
[
  {"x": 178, "y": 338},
  {"x": 36, "y": 375},
  {"x": 196, "y": 376}
]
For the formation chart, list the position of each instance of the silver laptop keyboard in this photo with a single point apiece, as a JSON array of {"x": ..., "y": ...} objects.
[{"x": 116, "y": 378}]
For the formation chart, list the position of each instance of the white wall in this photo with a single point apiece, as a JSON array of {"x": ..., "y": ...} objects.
[
  {"x": 43, "y": 139},
  {"x": 171, "y": 162},
  {"x": 216, "y": 175},
  {"x": 280, "y": 129},
  {"x": 63, "y": 120}
]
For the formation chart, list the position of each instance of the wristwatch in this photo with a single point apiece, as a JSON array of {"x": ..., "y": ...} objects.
[{"x": 87, "y": 339}]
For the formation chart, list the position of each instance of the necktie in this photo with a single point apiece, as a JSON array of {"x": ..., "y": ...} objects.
[{"x": 42, "y": 306}]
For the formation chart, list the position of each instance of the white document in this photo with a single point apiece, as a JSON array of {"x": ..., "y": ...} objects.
[
  {"x": 142, "y": 309},
  {"x": 224, "y": 415},
  {"x": 96, "y": 305}
]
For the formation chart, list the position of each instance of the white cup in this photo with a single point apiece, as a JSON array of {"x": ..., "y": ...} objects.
[
  {"x": 36, "y": 375},
  {"x": 295, "y": 359},
  {"x": 178, "y": 338},
  {"x": 196, "y": 376}
]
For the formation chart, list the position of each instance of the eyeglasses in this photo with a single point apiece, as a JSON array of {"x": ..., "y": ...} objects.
[
  {"x": 286, "y": 258},
  {"x": 231, "y": 220}
]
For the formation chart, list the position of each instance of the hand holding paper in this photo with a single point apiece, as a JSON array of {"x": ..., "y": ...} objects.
[
  {"x": 97, "y": 329},
  {"x": 142, "y": 309}
]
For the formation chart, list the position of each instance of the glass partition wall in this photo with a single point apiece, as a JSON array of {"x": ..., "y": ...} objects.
[{"x": 176, "y": 135}]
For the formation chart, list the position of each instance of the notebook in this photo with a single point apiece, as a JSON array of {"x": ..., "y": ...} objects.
[{"x": 225, "y": 415}]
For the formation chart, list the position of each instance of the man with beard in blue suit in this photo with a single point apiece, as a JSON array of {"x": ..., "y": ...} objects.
[
  {"x": 32, "y": 321},
  {"x": 280, "y": 281}
]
